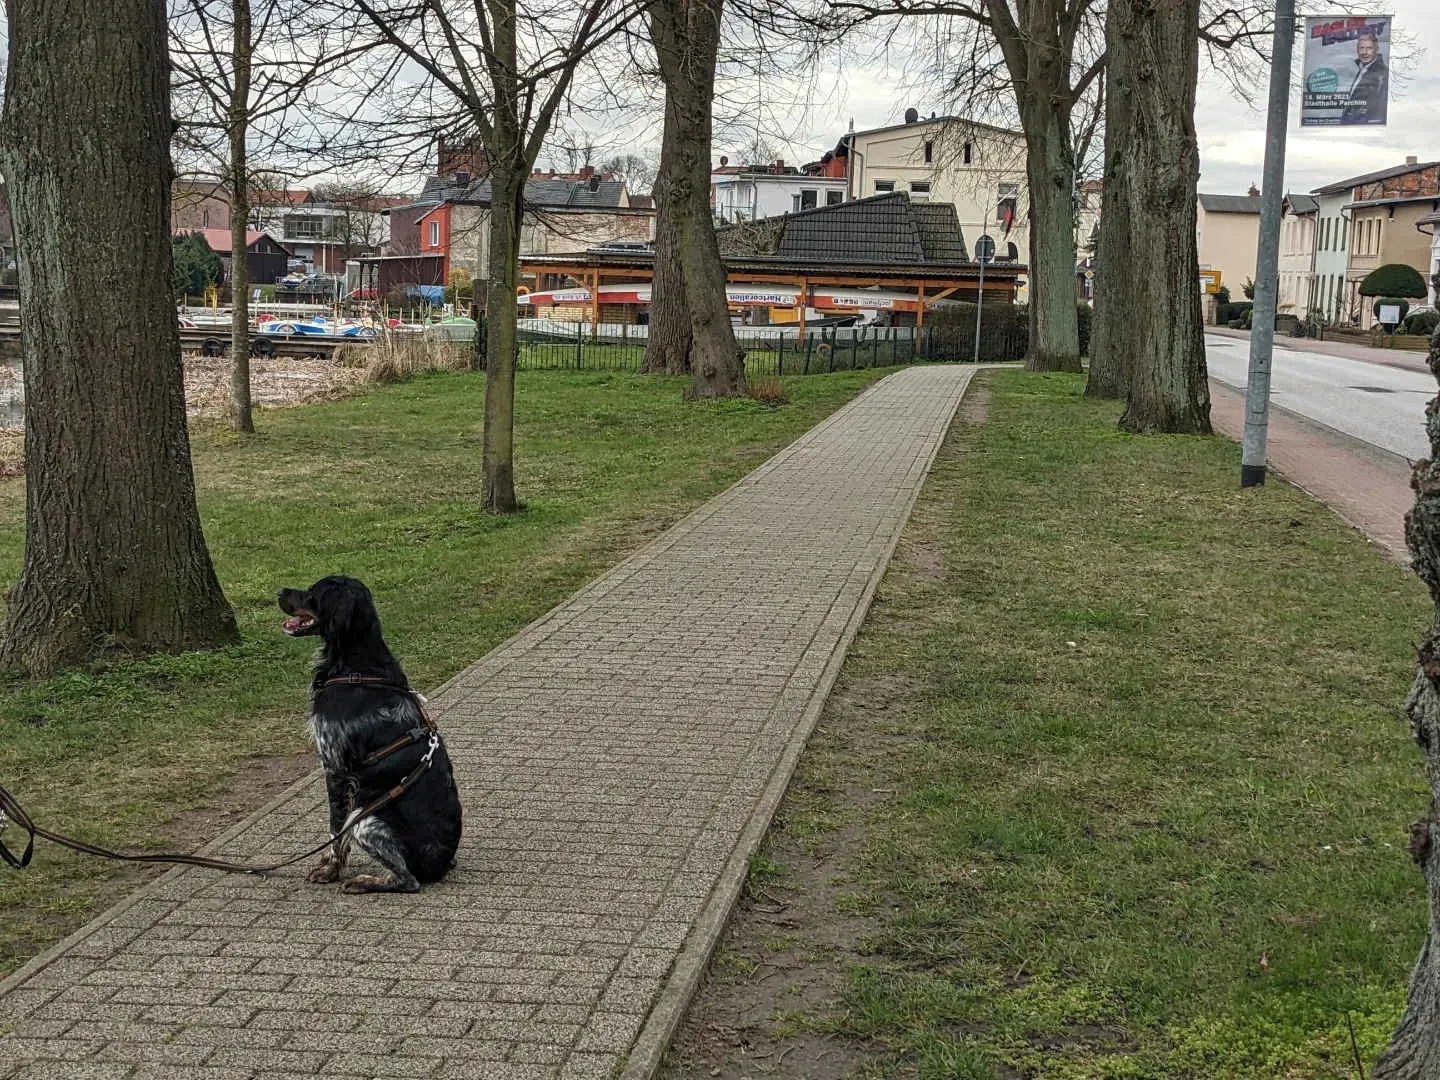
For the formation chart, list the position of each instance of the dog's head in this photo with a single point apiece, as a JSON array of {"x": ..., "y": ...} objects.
[{"x": 339, "y": 609}]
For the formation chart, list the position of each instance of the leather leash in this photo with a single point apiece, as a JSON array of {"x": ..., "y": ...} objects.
[{"x": 12, "y": 812}]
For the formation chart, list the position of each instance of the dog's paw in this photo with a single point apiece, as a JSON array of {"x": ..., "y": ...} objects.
[
  {"x": 368, "y": 883},
  {"x": 324, "y": 874}
]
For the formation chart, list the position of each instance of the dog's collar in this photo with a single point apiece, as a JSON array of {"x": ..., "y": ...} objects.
[
  {"x": 381, "y": 681},
  {"x": 365, "y": 680}
]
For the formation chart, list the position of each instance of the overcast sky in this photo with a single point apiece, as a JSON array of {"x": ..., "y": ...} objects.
[{"x": 1232, "y": 132}]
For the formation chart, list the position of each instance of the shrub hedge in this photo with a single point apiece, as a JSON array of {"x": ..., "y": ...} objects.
[{"x": 1004, "y": 332}]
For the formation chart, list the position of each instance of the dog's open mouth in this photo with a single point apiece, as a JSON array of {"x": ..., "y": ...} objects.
[{"x": 302, "y": 622}]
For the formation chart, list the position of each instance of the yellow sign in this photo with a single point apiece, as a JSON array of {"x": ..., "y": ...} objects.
[{"x": 1210, "y": 281}]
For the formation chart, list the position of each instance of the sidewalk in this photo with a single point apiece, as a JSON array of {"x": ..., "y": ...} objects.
[
  {"x": 619, "y": 761},
  {"x": 1366, "y": 486}
]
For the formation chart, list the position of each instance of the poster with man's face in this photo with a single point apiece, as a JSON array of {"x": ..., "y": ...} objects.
[{"x": 1347, "y": 70}]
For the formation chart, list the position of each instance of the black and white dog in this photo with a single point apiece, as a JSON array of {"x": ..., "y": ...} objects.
[{"x": 371, "y": 732}]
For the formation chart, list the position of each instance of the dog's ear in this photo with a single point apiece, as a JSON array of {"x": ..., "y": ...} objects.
[{"x": 352, "y": 613}]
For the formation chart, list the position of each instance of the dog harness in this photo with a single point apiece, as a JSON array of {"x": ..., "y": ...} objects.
[{"x": 426, "y": 729}]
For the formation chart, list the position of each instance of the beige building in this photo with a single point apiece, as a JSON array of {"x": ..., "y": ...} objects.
[
  {"x": 544, "y": 232},
  {"x": 1227, "y": 230},
  {"x": 978, "y": 168},
  {"x": 1387, "y": 217},
  {"x": 561, "y": 215},
  {"x": 1297, "y": 254}
]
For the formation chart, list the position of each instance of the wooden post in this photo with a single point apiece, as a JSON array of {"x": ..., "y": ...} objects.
[
  {"x": 804, "y": 297},
  {"x": 919, "y": 321},
  {"x": 595, "y": 305}
]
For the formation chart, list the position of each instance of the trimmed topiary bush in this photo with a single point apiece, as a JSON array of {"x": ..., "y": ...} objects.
[
  {"x": 1225, "y": 314},
  {"x": 1394, "y": 279},
  {"x": 1392, "y": 301},
  {"x": 1423, "y": 322}
]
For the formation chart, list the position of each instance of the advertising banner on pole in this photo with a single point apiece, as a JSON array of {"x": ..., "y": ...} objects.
[{"x": 1347, "y": 71}]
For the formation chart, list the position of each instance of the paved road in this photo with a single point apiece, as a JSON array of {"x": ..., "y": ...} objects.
[
  {"x": 1380, "y": 405},
  {"x": 619, "y": 759}
]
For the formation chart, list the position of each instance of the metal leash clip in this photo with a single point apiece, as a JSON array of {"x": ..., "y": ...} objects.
[{"x": 430, "y": 750}]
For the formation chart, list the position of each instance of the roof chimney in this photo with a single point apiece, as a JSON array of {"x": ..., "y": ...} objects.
[
  {"x": 780, "y": 165},
  {"x": 586, "y": 172},
  {"x": 911, "y": 115},
  {"x": 1411, "y": 159},
  {"x": 1254, "y": 192}
]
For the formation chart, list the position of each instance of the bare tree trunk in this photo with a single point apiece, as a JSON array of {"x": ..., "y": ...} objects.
[
  {"x": 1050, "y": 173},
  {"x": 1039, "y": 53},
  {"x": 114, "y": 554},
  {"x": 668, "y": 344},
  {"x": 1149, "y": 339},
  {"x": 241, "y": 415},
  {"x": 687, "y": 42},
  {"x": 1414, "y": 1050},
  {"x": 507, "y": 187}
]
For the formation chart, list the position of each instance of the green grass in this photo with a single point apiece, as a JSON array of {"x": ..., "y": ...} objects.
[
  {"x": 1152, "y": 781},
  {"x": 384, "y": 486},
  {"x": 795, "y": 359}
]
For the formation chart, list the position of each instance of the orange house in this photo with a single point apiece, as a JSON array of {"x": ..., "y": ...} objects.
[{"x": 435, "y": 237}]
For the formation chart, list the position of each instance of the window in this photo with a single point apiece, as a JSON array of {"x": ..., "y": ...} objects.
[
  {"x": 834, "y": 198},
  {"x": 884, "y": 185},
  {"x": 809, "y": 198},
  {"x": 304, "y": 227},
  {"x": 206, "y": 223},
  {"x": 795, "y": 204},
  {"x": 965, "y": 154},
  {"x": 920, "y": 190},
  {"x": 434, "y": 234},
  {"x": 929, "y": 151}
]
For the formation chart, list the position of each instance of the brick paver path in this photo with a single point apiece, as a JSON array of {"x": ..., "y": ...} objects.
[{"x": 618, "y": 760}]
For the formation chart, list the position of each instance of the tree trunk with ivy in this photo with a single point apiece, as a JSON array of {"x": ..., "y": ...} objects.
[
  {"x": 114, "y": 553},
  {"x": 1149, "y": 336},
  {"x": 686, "y": 34},
  {"x": 1414, "y": 1050}
]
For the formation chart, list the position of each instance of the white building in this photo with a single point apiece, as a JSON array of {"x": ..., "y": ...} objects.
[
  {"x": 1431, "y": 223},
  {"x": 1332, "y": 251},
  {"x": 1297, "y": 254},
  {"x": 977, "y": 167},
  {"x": 747, "y": 193}
]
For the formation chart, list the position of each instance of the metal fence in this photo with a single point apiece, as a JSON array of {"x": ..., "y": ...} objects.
[{"x": 768, "y": 350}]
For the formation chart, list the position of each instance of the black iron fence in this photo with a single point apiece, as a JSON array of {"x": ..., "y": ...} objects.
[{"x": 768, "y": 351}]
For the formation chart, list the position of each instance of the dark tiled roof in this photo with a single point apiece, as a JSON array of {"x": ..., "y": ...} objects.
[
  {"x": 1341, "y": 186},
  {"x": 940, "y": 234},
  {"x": 1230, "y": 204},
  {"x": 884, "y": 229},
  {"x": 1302, "y": 204},
  {"x": 555, "y": 194}
]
